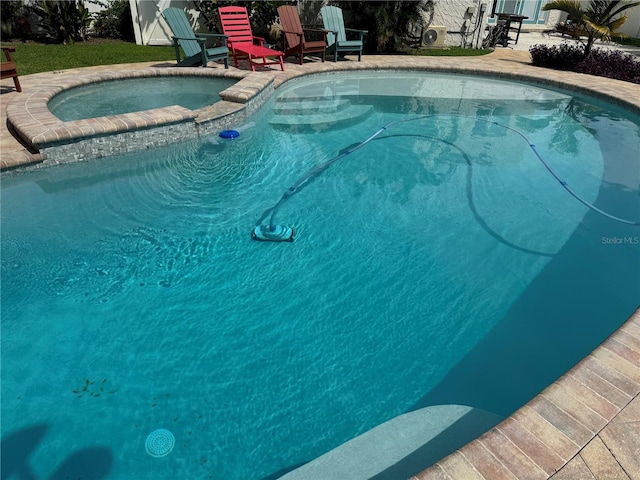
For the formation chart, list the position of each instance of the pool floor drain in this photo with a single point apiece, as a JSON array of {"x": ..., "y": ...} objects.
[{"x": 159, "y": 443}]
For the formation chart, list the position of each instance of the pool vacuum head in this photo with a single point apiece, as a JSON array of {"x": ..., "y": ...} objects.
[{"x": 279, "y": 233}]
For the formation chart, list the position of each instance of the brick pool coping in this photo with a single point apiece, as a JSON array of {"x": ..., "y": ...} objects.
[{"x": 540, "y": 438}]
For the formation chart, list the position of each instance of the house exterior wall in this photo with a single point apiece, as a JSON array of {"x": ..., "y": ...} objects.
[
  {"x": 464, "y": 20},
  {"x": 632, "y": 26}
]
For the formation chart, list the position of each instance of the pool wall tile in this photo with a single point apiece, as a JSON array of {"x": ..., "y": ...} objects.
[
  {"x": 117, "y": 134},
  {"x": 98, "y": 147}
]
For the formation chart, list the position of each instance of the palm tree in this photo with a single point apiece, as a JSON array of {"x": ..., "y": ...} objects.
[{"x": 598, "y": 20}]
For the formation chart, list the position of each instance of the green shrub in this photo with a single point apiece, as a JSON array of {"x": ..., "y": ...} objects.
[
  {"x": 114, "y": 21},
  {"x": 600, "y": 62},
  {"x": 14, "y": 19},
  {"x": 627, "y": 41}
]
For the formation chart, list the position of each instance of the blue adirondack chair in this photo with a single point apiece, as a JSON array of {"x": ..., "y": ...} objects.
[
  {"x": 337, "y": 38},
  {"x": 193, "y": 44}
]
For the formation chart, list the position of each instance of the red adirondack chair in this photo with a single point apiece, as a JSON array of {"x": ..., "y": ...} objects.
[{"x": 242, "y": 43}]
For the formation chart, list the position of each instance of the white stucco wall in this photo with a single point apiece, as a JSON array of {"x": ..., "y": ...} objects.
[
  {"x": 463, "y": 28},
  {"x": 632, "y": 26},
  {"x": 149, "y": 26}
]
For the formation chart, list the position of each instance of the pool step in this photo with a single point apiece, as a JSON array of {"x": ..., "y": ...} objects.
[
  {"x": 321, "y": 91},
  {"x": 348, "y": 116},
  {"x": 305, "y": 106},
  {"x": 317, "y": 113},
  {"x": 401, "y": 447}
]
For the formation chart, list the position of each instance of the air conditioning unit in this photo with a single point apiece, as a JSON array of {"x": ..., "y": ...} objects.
[{"x": 434, "y": 36}]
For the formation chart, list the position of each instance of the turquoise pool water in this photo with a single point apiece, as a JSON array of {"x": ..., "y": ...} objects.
[
  {"x": 439, "y": 264},
  {"x": 116, "y": 97}
]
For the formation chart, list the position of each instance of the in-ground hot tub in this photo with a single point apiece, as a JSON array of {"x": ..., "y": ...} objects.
[
  {"x": 194, "y": 102},
  {"x": 115, "y": 97}
]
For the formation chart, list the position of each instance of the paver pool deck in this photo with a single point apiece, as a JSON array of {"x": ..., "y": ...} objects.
[{"x": 586, "y": 425}]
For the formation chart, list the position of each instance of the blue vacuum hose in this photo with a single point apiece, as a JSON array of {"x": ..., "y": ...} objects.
[{"x": 281, "y": 233}]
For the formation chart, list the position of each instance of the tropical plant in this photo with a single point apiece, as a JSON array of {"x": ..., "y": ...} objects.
[
  {"x": 262, "y": 13},
  {"x": 388, "y": 23},
  {"x": 208, "y": 10},
  {"x": 63, "y": 21},
  {"x": 600, "y": 20}
]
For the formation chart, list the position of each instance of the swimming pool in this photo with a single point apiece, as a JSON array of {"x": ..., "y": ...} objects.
[
  {"x": 116, "y": 97},
  {"x": 424, "y": 252}
]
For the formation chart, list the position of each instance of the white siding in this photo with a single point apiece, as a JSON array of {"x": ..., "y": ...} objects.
[
  {"x": 632, "y": 26},
  {"x": 149, "y": 26}
]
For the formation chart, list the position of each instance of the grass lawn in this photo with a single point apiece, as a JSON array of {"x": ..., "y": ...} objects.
[
  {"x": 627, "y": 41},
  {"x": 34, "y": 57}
]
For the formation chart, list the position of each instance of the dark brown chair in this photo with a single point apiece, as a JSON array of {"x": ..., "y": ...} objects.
[
  {"x": 9, "y": 68},
  {"x": 295, "y": 39}
]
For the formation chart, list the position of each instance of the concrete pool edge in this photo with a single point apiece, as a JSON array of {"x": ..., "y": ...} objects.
[{"x": 476, "y": 460}]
